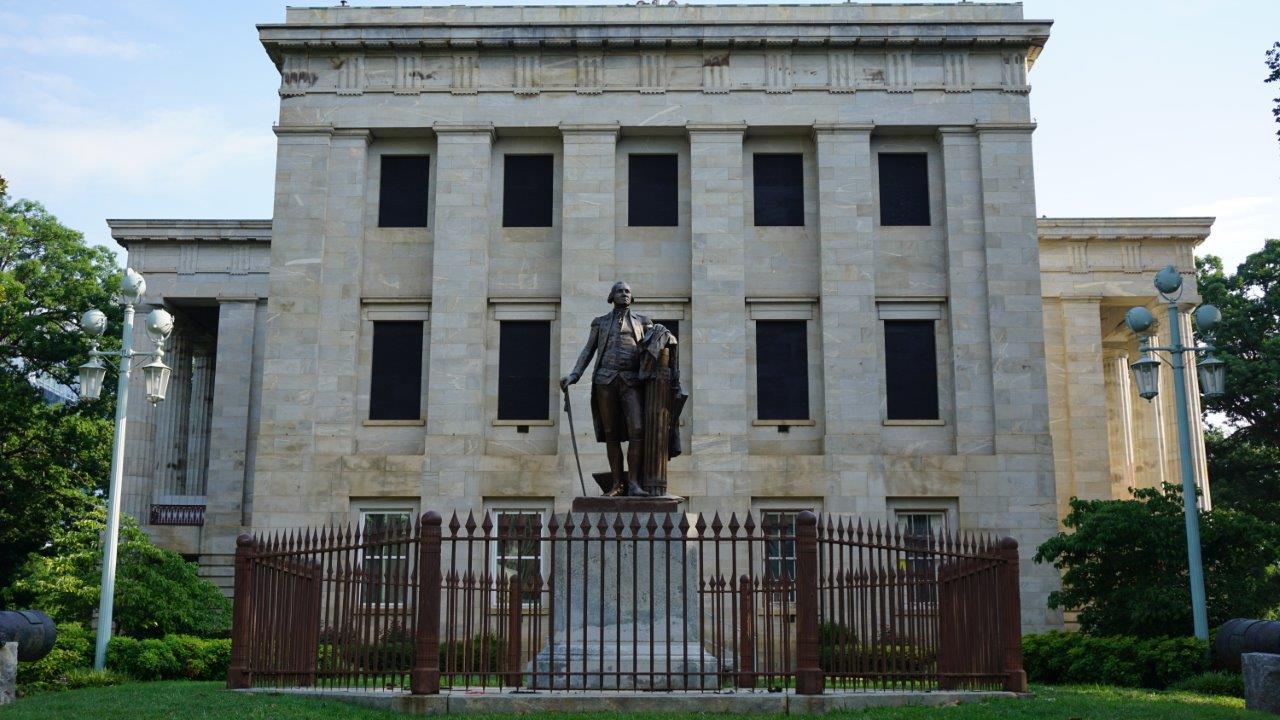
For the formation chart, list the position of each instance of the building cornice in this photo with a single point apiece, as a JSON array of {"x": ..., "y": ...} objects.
[
  {"x": 127, "y": 232},
  {"x": 1104, "y": 229}
]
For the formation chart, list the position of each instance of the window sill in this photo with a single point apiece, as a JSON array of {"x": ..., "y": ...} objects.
[
  {"x": 531, "y": 423},
  {"x": 913, "y": 423},
  {"x": 394, "y": 423},
  {"x": 786, "y": 423}
]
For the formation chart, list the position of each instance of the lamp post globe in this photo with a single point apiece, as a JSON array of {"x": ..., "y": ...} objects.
[
  {"x": 159, "y": 325},
  {"x": 1139, "y": 320},
  {"x": 1207, "y": 317},
  {"x": 93, "y": 323},
  {"x": 1168, "y": 280}
]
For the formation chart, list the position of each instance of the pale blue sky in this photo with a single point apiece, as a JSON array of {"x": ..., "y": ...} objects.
[{"x": 153, "y": 108}]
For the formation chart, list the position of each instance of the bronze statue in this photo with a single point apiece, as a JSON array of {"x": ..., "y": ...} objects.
[{"x": 636, "y": 396}]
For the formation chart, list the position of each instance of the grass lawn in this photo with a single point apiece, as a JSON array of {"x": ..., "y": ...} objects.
[{"x": 208, "y": 701}]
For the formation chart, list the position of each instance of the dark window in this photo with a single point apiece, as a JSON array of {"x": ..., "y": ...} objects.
[
  {"x": 782, "y": 370},
  {"x": 911, "y": 369},
  {"x": 779, "y": 189},
  {"x": 672, "y": 325},
  {"x": 904, "y": 189},
  {"x": 395, "y": 388},
  {"x": 654, "y": 191},
  {"x": 524, "y": 369},
  {"x": 403, "y": 193},
  {"x": 526, "y": 191}
]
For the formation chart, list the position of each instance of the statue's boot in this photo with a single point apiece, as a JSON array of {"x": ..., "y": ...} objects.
[{"x": 634, "y": 489}]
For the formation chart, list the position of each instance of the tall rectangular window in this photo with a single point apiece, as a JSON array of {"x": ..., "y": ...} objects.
[
  {"x": 779, "y": 189},
  {"x": 519, "y": 548},
  {"x": 919, "y": 529},
  {"x": 404, "y": 191},
  {"x": 526, "y": 190},
  {"x": 904, "y": 189},
  {"x": 395, "y": 386},
  {"x": 384, "y": 556},
  {"x": 782, "y": 370},
  {"x": 524, "y": 369},
  {"x": 911, "y": 369},
  {"x": 653, "y": 196}
]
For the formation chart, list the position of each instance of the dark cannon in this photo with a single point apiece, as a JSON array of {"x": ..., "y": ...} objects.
[
  {"x": 31, "y": 629},
  {"x": 1244, "y": 636}
]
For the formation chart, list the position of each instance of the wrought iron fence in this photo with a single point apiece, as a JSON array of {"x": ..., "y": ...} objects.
[{"x": 664, "y": 601}]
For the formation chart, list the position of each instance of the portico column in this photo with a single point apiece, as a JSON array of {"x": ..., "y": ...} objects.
[
  {"x": 1119, "y": 420},
  {"x": 198, "y": 418},
  {"x": 587, "y": 268},
  {"x": 1150, "y": 454},
  {"x": 1086, "y": 398},
  {"x": 848, "y": 288},
  {"x": 720, "y": 415},
  {"x": 172, "y": 416},
  {"x": 459, "y": 306},
  {"x": 967, "y": 305},
  {"x": 225, "y": 476}
]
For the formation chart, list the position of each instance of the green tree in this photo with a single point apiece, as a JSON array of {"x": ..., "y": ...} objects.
[
  {"x": 52, "y": 458},
  {"x": 157, "y": 592},
  {"x": 1244, "y": 457},
  {"x": 1273, "y": 64},
  {"x": 1124, "y": 565}
]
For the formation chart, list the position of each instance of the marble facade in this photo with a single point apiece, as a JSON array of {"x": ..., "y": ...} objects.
[{"x": 1034, "y": 403}]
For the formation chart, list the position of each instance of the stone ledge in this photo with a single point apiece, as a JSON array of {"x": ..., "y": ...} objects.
[{"x": 490, "y": 702}]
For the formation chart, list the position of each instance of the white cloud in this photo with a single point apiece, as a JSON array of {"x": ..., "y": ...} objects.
[{"x": 67, "y": 34}]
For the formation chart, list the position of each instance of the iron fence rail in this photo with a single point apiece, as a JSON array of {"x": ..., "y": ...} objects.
[{"x": 626, "y": 601}]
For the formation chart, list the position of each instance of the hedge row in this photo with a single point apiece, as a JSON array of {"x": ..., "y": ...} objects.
[
  {"x": 1079, "y": 659},
  {"x": 169, "y": 658}
]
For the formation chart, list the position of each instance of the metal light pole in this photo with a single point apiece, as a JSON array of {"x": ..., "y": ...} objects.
[
  {"x": 1212, "y": 380},
  {"x": 156, "y": 374}
]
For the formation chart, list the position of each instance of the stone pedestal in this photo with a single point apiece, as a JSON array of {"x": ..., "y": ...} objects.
[
  {"x": 1261, "y": 681},
  {"x": 624, "y": 605}
]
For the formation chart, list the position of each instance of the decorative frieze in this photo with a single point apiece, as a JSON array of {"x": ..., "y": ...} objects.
[
  {"x": 409, "y": 75},
  {"x": 466, "y": 68},
  {"x": 715, "y": 72},
  {"x": 955, "y": 72},
  {"x": 841, "y": 72},
  {"x": 898, "y": 71},
  {"x": 295, "y": 75},
  {"x": 1132, "y": 262},
  {"x": 187, "y": 258},
  {"x": 653, "y": 72},
  {"x": 779, "y": 72},
  {"x": 350, "y": 73},
  {"x": 1013, "y": 72},
  {"x": 589, "y": 79},
  {"x": 1079, "y": 254},
  {"x": 239, "y": 264},
  {"x": 528, "y": 77}
]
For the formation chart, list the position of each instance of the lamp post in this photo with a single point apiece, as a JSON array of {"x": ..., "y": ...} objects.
[
  {"x": 1146, "y": 373},
  {"x": 156, "y": 374}
]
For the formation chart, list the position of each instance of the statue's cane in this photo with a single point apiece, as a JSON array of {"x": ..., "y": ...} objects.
[{"x": 573, "y": 436}]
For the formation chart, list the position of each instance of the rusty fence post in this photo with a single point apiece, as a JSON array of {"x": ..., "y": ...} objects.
[
  {"x": 241, "y": 611},
  {"x": 515, "y": 605},
  {"x": 747, "y": 638},
  {"x": 1015, "y": 678},
  {"x": 809, "y": 678},
  {"x": 425, "y": 677}
]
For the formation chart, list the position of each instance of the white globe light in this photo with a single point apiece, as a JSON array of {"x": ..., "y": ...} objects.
[
  {"x": 159, "y": 324},
  {"x": 132, "y": 286},
  {"x": 93, "y": 323}
]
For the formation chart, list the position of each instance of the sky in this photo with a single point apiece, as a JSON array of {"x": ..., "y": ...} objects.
[{"x": 153, "y": 108}]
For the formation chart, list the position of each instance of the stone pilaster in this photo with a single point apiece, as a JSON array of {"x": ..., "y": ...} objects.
[
  {"x": 1119, "y": 420},
  {"x": 202, "y": 362},
  {"x": 967, "y": 305},
  {"x": 1086, "y": 406},
  {"x": 846, "y": 207},
  {"x": 459, "y": 307},
  {"x": 720, "y": 415},
  {"x": 587, "y": 267},
  {"x": 229, "y": 427}
]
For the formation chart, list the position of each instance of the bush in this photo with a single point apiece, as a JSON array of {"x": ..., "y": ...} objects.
[
  {"x": 1079, "y": 659},
  {"x": 72, "y": 651},
  {"x": 1218, "y": 682},
  {"x": 171, "y": 657},
  {"x": 1124, "y": 565},
  {"x": 157, "y": 592}
]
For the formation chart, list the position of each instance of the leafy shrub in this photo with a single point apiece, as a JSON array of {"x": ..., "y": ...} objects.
[
  {"x": 1218, "y": 682},
  {"x": 1124, "y": 564},
  {"x": 1076, "y": 658},
  {"x": 72, "y": 651},
  {"x": 171, "y": 657},
  {"x": 157, "y": 592}
]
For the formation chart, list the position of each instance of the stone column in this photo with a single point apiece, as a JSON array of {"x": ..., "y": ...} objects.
[
  {"x": 227, "y": 445},
  {"x": 967, "y": 305},
  {"x": 1086, "y": 398},
  {"x": 720, "y": 415},
  {"x": 1194, "y": 416},
  {"x": 140, "y": 483},
  {"x": 172, "y": 415},
  {"x": 459, "y": 309},
  {"x": 846, "y": 207},
  {"x": 198, "y": 419},
  {"x": 286, "y": 439},
  {"x": 1150, "y": 453},
  {"x": 1119, "y": 420},
  {"x": 587, "y": 269}
]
